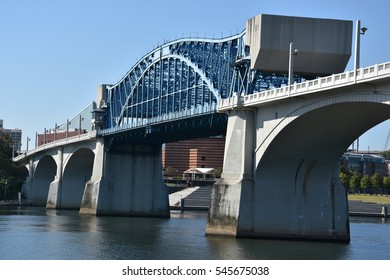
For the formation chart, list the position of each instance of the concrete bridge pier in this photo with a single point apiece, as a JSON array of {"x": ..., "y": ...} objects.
[
  {"x": 27, "y": 187},
  {"x": 291, "y": 192},
  {"x": 237, "y": 178},
  {"x": 54, "y": 195},
  {"x": 126, "y": 180}
]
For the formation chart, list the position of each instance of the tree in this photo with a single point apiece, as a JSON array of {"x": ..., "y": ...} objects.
[
  {"x": 354, "y": 182},
  {"x": 344, "y": 179},
  {"x": 386, "y": 183},
  {"x": 376, "y": 182},
  {"x": 218, "y": 172},
  {"x": 365, "y": 183},
  {"x": 11, "y": 176}
]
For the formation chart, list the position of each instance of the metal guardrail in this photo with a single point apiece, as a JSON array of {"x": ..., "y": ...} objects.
[
  {"x": 61, "y": 142},
  {"x": 334, "y": 81}
]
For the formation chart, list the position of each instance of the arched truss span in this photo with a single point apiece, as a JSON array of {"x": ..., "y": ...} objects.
[
  {"x": 175, "y": 77},
  {"x": 184, "y": 74},
  {"x": 198, "y": 91}
]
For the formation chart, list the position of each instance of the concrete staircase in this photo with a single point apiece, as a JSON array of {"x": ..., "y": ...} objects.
[
  {"x": 175, "y": 198},
  {"x": 369, "y": 209},
  {"x": 197, "y": 198}
]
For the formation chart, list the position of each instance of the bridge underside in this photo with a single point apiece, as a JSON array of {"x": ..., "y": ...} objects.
[
  {"x": 295, "y": 191},
  {"x": 212, "y": 124}
]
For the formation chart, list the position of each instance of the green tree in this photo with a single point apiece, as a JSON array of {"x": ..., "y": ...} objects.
[
  {"x": 218, "y": 172},
  {"x": 344, "y": 179},
  {"x": 11, "y": 176},
  {"x": 376, "y": 182},
  {"x": 386, "y": 183},
  {"x": 365, "y": 183},
  {"x": 354, "y": 182}
]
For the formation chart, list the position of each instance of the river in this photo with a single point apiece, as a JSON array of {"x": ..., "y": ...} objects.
[{"x": 35, "y": 233}]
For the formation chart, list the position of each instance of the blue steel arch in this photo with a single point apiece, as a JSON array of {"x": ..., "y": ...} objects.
[{"x": 177, "y": 76}]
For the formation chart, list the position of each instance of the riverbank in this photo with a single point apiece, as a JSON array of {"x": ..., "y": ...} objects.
[
  {"x": 9, "y": 202},
  {"x": 379, "y": 199},
  {"x": 198, "y": 199}
]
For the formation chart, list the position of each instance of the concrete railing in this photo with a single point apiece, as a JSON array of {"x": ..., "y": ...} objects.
[
  {"x": 362, "y": 75},
  {"x": 61, "y": 142}
]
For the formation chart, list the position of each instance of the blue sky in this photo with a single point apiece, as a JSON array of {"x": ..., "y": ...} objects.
[{"x": 54, "y": 53}]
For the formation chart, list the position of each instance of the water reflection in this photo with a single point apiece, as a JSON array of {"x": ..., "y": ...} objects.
[{"x": 37, "y": 233}]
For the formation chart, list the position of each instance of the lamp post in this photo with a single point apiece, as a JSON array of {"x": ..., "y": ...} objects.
[
  {"x": 28, "y": 140},
  {"x": 55, "y": 132},
  {"x": 80, "y": 119},
  {"x": 359, "y": 31},
  {"x": 67, "y": 128},
  {"x": 291, "y": 54}
]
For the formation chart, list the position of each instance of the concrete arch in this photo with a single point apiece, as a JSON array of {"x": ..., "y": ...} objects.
[
  {"x": 300, "y": 166},
  {"x": 44, "y": 174},
  {"x": 68, "y": 153},
  {"x": 349, "y": 115},
  {"x": 77, "y": 171}
]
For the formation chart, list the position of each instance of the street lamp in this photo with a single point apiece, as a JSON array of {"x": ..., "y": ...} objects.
[
  {"x": 28, "y": 140},
  {"x": 80, "y": 120},
  {"x": 291, "y": 64},
  {"x": 67, "y": 128},
  {"x": 55, "y": 132},
  {"x": 359, "y": 31}
]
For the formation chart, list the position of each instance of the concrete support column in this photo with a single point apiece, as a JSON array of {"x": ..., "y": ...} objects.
[
  {"x": 237, "y": 175},
  {"x": 127, "y": 180},
  {"x": 89, "y": 202},
  {"x": 27, "y": 187},
  {"x": 54, "y": 196}
]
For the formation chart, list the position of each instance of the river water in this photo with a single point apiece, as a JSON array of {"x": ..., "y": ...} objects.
[{"x": 34, "y": 233}]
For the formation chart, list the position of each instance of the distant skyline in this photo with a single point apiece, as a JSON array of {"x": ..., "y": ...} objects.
[{"x": 55, "y": 53}]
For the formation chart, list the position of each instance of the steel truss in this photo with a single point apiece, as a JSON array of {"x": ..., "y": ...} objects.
[{"x": 182, "y": 75}]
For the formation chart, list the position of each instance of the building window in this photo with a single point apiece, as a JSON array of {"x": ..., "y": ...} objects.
[{"x": 203, "y": 158}]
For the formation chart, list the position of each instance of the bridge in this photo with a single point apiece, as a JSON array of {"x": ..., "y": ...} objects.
[{"x": 284, "y": 133}]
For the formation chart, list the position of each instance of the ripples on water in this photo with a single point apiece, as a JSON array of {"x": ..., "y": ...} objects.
[{"x": 37, "y": 233}]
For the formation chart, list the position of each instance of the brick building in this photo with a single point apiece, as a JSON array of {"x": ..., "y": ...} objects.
[
  {"x": 51, "y": 136},
  {"x": 202, "y": 152}
]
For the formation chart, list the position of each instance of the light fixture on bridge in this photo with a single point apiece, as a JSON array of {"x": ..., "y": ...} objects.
[
  {"x": 292, "y": 52},
  {"x": 359, "y": 31}
]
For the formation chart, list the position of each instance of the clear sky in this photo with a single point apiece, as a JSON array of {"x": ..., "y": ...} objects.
[{"x": 54, "y": 53}]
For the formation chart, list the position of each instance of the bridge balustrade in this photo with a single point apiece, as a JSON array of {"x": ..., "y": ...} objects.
[
  {"x": 337, "y": 80},
  {"x": 61, "y": 142}
]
